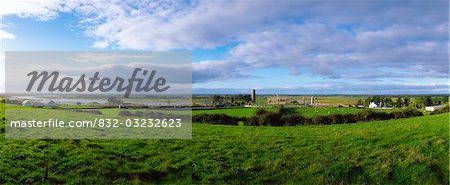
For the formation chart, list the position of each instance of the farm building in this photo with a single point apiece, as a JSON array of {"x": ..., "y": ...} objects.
[
  {"x": 374, "y": 105},
  {"x": 27, "y": 103},
  {"x": 278, "y": 99},
  {"x": 45, "y": 103},
  {"x": 433, "y": 108},
  {"x": 48, "y": 103}
]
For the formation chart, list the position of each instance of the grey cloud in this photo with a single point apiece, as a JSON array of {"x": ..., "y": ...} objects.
[{"x": 217, "y": 71}]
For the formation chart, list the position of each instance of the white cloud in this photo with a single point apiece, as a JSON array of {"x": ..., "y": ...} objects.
[
  {"x": 108, "y": 57},
  {"x": 42, "y": 10},
  {"x": 165, "y": 25},
  {"x": 100, "y": 44},
  {"x": 6, "y": 35},
  {"x": 398, "y": 38}
]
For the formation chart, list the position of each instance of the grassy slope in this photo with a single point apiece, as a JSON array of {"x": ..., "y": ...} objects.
[{"x": 403, "y": 151}]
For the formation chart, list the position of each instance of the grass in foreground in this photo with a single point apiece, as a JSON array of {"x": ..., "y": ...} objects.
[{"x": 405, "y": 151}]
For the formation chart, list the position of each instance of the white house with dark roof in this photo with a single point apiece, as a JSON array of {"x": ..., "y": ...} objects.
[{"x": 433, "y": 108}]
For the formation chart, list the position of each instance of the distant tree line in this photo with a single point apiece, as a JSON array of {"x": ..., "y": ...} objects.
[
  {"x": 404, "y": 101},
  {"x": 240, "y": 99}
]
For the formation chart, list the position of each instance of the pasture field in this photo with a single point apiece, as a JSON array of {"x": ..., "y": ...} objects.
[
  {"x": 338, "y": 100},
  {"x": 403, "y": 151},
  {"x": 305, "y": 111}
]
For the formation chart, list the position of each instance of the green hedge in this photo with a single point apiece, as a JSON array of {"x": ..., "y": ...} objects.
[
  {"x": 217, "y": 119},
  {"x": 281, "y": 118}
]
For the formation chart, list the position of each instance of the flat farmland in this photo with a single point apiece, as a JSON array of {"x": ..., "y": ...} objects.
[{"x": 305, "y": 111}]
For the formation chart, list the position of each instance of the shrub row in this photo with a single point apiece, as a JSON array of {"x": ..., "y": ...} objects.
[
  {"x": 217, "y": 119},
  {"x": 280, "y": 118}
]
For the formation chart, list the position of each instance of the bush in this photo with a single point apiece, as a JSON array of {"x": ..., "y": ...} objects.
[
  {"x": 292, "y": 120},
  {"x": 218, "y": 119},
  {"x": 280, "y": 109},
  {"x": 350, "y": 118},
  {"x": 409, "y": 112},
  {"x": 398, "y": 114},
  {"x": 342, "y": 118},
  {"x": 270, "y": 118},
  {"x": 252, "y": 121},
  {"x": 264, "y": 118},
  {"x": 260, "y": 111},
  {"x": 125, "y": 113},
  {"x": 321, "y": 120},
  {"x": 370, "y": 115}
]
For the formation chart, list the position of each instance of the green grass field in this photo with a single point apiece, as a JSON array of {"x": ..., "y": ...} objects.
[
  {"x": 238, "y": 112},
  {"x": 307, "y": 112},
  {"x": 404, "y": 151}
]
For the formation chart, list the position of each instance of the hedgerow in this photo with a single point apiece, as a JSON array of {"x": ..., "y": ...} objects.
[
  {"x": 281, "y": 117},
  {"x": 218, "y": 119}
]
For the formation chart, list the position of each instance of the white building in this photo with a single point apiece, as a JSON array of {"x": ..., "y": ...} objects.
[
  {"x": 45, "y": 103},
  {"x": 27, "y": 103},
  {"x": 373, "y": 105},
  {"x": 48, "y": 103},
  {"x": 433, "y": 108}
]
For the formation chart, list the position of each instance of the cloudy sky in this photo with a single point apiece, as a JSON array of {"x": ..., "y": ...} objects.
[{"x": 285, "y": 47}]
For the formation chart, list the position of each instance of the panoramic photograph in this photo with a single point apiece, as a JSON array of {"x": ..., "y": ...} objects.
[{"x": 224, "y": 92}]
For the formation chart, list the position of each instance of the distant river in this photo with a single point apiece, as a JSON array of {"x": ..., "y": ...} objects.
[{"x": 101, "y": 101}]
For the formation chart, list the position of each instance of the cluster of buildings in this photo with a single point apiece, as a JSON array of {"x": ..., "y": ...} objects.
[
  {"x": 374, "y": 105},
  {"x": 39, "y": 103},
  {"x": 433, "y": 108}
]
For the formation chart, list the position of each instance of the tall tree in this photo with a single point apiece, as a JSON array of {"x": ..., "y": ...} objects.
[
  {"x": 217, "y": 99},
  {"x": 406, "y": 101},
  {"x": 399, "y": 102},
  {"x": 428, "y": 101}
]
